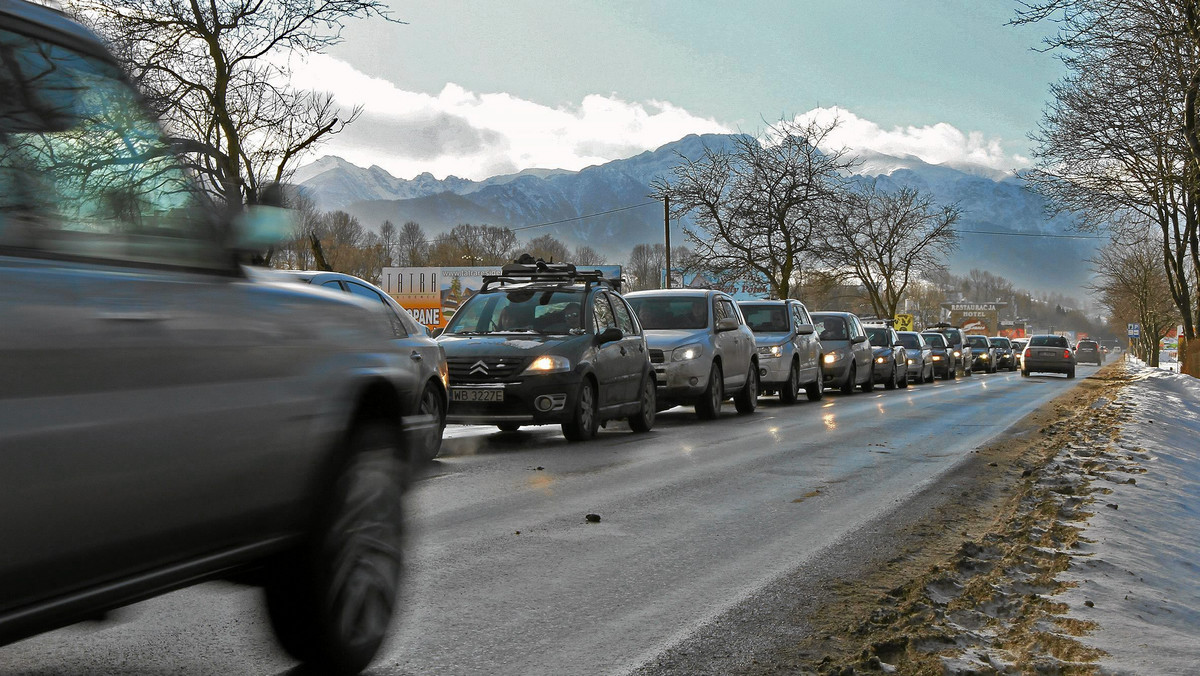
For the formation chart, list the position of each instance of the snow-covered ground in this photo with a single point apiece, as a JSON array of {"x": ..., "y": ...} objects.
[{"x": 1139, "y": 576}]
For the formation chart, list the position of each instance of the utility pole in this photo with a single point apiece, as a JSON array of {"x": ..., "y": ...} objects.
[{"x": 667, "y": 234}]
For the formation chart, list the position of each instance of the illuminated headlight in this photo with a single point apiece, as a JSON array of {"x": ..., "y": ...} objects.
[
  {"x": 911, "y": 362},
  {"x": 548, "y": 363},
  {"x": 881, "y": 360},
  {"x": 983, "y": 357},
  {"x": 770, "y": 350},
  {"x": 831, "y": 358},
  {"x": 957, "y": 353},
  {"x": 937, "y": 357},
  {"x": 686, "y": 352}
]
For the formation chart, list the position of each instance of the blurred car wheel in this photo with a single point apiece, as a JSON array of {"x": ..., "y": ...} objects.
[
  {"x": 584, "y": 422},
  {"x": 709, "y": 405},
  {"x": 747, "y": 400},
  {"x": 331, "y": 601},
  {"x": 644, "y": 420}
]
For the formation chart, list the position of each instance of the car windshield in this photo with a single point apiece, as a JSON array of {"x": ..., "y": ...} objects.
[
  {"x": 978, "y": 341},
  {"x": 658, "y": 312},
  {"x": 878, "y": 336},
  {"x": 910, "y": 341},
  {"x": 1048, "y": 341},
  {"x": 952, "y": 337},
  {"x": 544, "y": 311},
  {"x": 1001, "y": 342},
  {"x": 766, "y": 318},
  {"x": 935, "y": 339},
  {"x": 831, "y": 327}
]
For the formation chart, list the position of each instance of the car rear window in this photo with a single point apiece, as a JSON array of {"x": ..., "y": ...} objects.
[
  {"x": 657, "y": 312},
  {"x": 1048, "y": 341},
  {"x": 766, "y": 318}
]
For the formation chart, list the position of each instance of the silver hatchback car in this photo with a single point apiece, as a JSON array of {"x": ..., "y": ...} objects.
[
  {"x": 701, "y": 349},
  {"x": 789, "y": 352},
  {"x": 847, "y": 354}
]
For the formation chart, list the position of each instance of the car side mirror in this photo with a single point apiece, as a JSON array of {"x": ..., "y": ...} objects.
[
  {"x": 804, "y": 329},
  {"x": 434, "y": 333},
  {"x": 609, "y": 335},
  {"x": 858, "y": 339},
  {"x": 726, "y": 324}
]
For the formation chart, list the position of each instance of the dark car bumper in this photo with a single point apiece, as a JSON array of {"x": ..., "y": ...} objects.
[
  {"x": 1048, "y": 365},
  {"x": 534, "y": 400}
]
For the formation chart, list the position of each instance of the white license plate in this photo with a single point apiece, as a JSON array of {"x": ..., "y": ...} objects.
[{"x": 476, "y": 394}]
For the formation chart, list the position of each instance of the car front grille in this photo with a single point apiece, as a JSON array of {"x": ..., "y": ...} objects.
[
  {"x": 484, "y": 369},
  {"x": 656, "y": 356}
]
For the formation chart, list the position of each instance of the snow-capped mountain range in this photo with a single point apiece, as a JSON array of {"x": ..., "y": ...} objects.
[{"x": 582, "y": 204}]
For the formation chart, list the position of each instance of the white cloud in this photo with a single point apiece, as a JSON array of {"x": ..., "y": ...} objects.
[
  {"x": 476, "y": 135},
  {"x": 938, "y": 143}
]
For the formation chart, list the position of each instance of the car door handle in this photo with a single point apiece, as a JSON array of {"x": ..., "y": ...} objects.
[{"x": 415, "y": 356}]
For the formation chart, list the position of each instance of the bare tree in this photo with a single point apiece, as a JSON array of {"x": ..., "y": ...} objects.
[
  {"x": 1120, "y": 143},
  {"x": 468, "y": 244},
  {"x": 412, "y": 247},
  {"x": 586, "y": 255},
  {"x": 217, "y": 73},
  {"x": 888, "y": 239},
  {"x": 548, "y": 248},
  {"x": 1132, "y": 285},
  {"x": 759, "y": 206},
  {"x": 388, "y": 239}
]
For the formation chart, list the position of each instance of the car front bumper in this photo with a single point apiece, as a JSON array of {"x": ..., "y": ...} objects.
[
  {"x": 774, "y": 371},
  {"x": 556, "y": 393},
  {"x": 682, "y": 380}
]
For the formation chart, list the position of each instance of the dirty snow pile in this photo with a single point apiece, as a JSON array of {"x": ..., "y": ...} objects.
[{"x": 1138, "y": 578}]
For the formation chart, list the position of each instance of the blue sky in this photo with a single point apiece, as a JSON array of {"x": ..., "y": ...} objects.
[{"x": 477, "y": 88}]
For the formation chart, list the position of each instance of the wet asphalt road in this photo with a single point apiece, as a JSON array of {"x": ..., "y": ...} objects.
[{"x": 695, "y": 517}]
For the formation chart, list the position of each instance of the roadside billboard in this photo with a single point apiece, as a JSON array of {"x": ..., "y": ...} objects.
[
  {"x": 976, "y": 318},
  {"x": 432, "y": 294}
]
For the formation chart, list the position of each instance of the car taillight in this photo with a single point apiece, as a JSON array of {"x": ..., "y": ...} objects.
[
  {"x": 1066, "y": 354},
  {"x": 1026, "y": 353}
]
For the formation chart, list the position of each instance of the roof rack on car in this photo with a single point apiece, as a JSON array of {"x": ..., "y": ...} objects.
[{"x": 526, "y": 269}]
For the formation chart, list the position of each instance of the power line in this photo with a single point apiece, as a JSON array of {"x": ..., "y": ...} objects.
[
  {"x": 1036, "y": 234},
  {"x": 580, "y": 218}
]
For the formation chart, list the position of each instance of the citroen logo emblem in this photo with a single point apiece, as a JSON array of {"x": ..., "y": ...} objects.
[{"x": 479, "y": 368}]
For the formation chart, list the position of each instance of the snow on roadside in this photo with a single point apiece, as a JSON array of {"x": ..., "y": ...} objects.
[{"x": 1138, "y": 577}]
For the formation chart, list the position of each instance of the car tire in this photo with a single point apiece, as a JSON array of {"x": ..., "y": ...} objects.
[
  {"x": 747, "y": 399},
  {"x": 1071, "y": 373},
  {"x": 584, "y": 420},
  {"x": 1024, "y": 373},
  {"x": 868, "y": 385},
  {"x": 790, "y": 392},
  {"x": 932, "y": 376},
  {"x": 432, "y": 405},
  {"x": 851, "y": 376},
  {"x": 508, "y": 426},
  {"x": 815, "y": 390},
  {"x": 331, "y": 600},
  {"x": 709, "y": 405},
  {"x": 643, "y": 420},
  {"x": 904, "y": 378},
  {"x": 892, "y": 383}
]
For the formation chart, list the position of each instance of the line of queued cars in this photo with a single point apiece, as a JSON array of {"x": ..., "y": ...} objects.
[{"x": 544, "y": 343}]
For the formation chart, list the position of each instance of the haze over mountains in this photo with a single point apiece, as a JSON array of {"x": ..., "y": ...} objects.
[{"x": 992, "y": 202}]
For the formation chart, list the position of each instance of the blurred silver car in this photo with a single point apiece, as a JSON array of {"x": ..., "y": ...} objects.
[
  {"x": 789, "y": 353},
  {"x": 426, "y": 357},
  {"x": 848, "y": 357},
  {"x": 166, "y": 418},
  {"x": 700, "y": 347}
]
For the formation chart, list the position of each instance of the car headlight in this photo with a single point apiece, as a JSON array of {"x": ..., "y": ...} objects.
[
  {"x": 957, "y": 353},
  {"x": 687, "y": 352},
  {"x": 937, "y": 357},
  {"x": 770, "y": 350},
  {"x": 911, "y": 362},
  {"x": 832, "y": 357},
  {"x": 548, "y": 363},
  {"x": 983, "y": 356}
]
